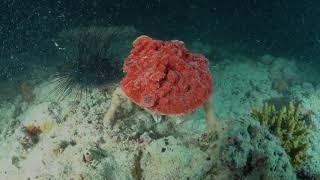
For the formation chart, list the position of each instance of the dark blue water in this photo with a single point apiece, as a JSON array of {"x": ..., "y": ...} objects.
[{"x": 281, "y": 26}]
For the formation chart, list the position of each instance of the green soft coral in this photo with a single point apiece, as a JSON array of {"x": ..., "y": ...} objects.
[{"x": 288, "y": 123}]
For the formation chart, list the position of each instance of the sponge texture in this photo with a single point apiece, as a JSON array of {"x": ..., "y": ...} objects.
[{"x": 164, "y": 77}]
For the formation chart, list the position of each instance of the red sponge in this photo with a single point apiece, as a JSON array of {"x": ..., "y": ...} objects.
[{"x": 164, "y": 77}]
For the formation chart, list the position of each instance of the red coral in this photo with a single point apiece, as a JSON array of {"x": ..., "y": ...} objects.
[{"x": 164, "y": 77}]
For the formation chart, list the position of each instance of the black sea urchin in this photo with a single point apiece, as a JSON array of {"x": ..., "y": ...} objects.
[{"x": 94, "y": 58}]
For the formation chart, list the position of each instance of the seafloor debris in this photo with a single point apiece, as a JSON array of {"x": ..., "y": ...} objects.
[{"x": 31, "y": 133}]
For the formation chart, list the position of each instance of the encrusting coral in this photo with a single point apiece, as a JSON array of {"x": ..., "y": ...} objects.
[{"x": 289, "y": 124}]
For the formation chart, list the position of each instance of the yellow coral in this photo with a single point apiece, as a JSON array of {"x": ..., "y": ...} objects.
[{"x": 289, "y": 125}]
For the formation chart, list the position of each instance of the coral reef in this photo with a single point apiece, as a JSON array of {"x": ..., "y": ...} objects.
[{"x": 290, "y": 126}]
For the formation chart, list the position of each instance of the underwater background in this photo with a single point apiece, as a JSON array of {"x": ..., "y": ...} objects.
[{"x": 61, "y": 63}]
